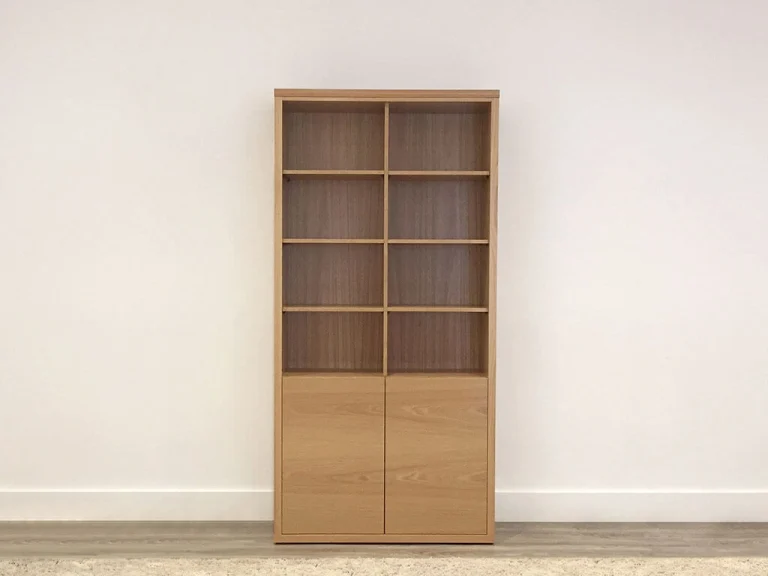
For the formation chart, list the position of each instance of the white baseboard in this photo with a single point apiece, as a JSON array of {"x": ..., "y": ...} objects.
[
  {"x": 632, "y": 506},
  {"x": 126, "y": 505},
  {"x": 511, "y": 505}
]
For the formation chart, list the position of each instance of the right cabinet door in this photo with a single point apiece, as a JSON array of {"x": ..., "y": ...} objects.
[{"x": 436, "y": 464}]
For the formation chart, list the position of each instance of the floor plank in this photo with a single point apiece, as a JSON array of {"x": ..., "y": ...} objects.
[{"x": 254, "y": 539}]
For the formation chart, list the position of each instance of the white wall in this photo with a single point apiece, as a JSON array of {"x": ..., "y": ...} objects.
[{"x": 136, "y": 245}]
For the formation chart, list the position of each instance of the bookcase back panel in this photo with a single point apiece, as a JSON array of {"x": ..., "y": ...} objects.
[
  {"x": 333, "y": 275},
  {"x": 440, "y": 208},
  {"x": 437, "y": 342},
  {"x": 333, "y": 140},
  {"x": 332, "y": 341},
  {"x": 447, "y": 275},
  {"x": 439, "y": 137},
  {"x": 331, "y": 208}
]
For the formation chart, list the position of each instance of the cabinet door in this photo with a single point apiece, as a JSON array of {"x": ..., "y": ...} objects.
[
  {"x": 436, "y": 455},
  {"x": 333, "y": 455}
]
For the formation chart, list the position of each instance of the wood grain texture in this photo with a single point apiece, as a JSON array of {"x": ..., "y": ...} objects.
[
  {"x": 438, "y": 209},
  {"x": 436, "y": 241},
  {"x": 436, "y": 375},
  {"x": 469, "y": 106},
  {"x": 341, "y": 105},
  {"x": 358, "y": 169},
  {"x": 333, "y": 140},
  {"x": 334, "y": 174},
  {"x": 385, "y": 539},
  {"x": 427, "y": 275},
  {"x": 384, "y": 94},
  {"x": 475, "y": 309},
  {"x": 332, "y": 274},
  {"x": 439, "y": 174},
  {"x": 335, "y": 341},
  {"x": 491, "y": 328},
  {"x": 436, "y": 455},
  {"x": 438, "y": 141},
  {"x": 437, "y": 342},
  {"x": 277, "y": 308},
  {"x": 334, "y": 241},
  {"x": 326, "y": 373},
  {"x": 254, "y": 539},
  {"x": 333, "y": 455},
  {"x": 326, "y": 208},
  {"x": 333, "y": 308}
]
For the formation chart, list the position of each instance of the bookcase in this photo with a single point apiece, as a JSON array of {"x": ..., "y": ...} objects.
[{"x": 385, "y": 276}]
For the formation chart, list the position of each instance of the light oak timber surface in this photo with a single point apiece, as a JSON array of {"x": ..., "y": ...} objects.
[
  {"x": 436, "y": 455},
  {"x": 384, "y": 95},
  {"x": 387, "y": 222},
  {"x": 333, "y": 455}
]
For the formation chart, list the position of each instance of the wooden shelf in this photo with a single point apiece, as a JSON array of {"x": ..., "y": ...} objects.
[
  {"x": 434, "y": 241},
  {"x": 333, "y": 173},
  {"x": 438, "y": 375},
  {"x": 333, "y": 309},
  {"x": 426, "y": 375},
  {"x": 477, "y": 309},
  {"x": 338, "y": 241},
  {"x": 331, "y": 373},
  {"x": 453, "y": 174}
]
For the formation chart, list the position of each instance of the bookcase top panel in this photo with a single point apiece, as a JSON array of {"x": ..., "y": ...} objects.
[{"x": 385, "y": 95}]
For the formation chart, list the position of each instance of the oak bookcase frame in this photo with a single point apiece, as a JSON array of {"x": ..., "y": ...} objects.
[{"x": 385, "y": 315}]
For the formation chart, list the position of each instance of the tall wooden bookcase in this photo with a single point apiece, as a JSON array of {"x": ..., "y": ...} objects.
[{"x": 385, "y": 319}]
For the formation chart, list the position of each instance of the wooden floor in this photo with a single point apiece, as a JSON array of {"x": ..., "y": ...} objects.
[{"x": 226, "y": 539}]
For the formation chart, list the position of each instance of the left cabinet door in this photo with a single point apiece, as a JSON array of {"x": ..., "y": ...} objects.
[{"x": 333, "y": 455}]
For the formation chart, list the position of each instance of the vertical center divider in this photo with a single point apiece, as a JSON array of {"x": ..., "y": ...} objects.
[
  {"x": 386, "y": 294},
  {"x": 386, "y": 235}
]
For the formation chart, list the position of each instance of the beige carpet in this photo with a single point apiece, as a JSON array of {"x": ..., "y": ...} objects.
[{"x": 391, "y": 567}]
